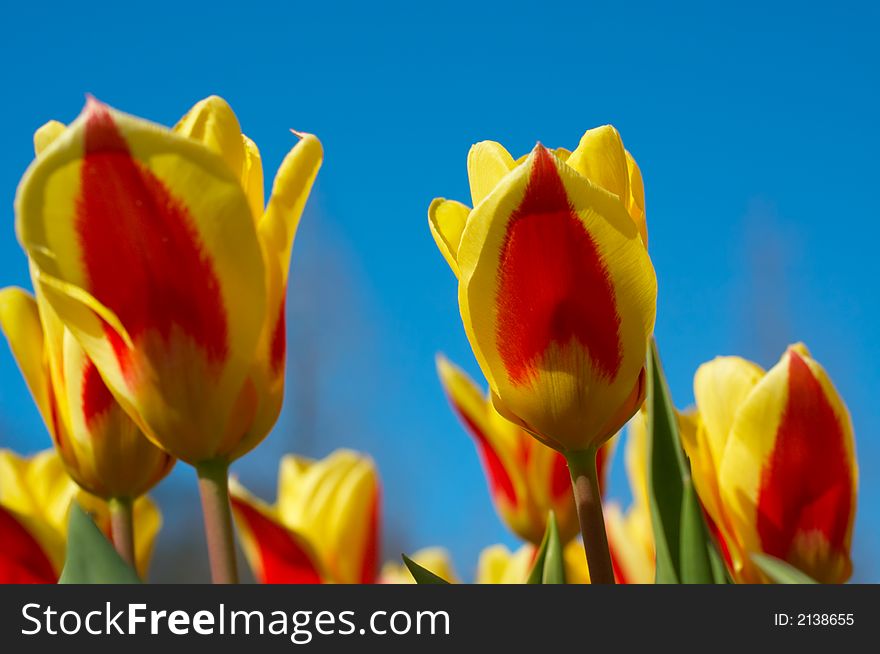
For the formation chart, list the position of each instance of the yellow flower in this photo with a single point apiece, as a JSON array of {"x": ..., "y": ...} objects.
[
  {"x": 526, "y": 478},
  {"x": 556, "y": 289},
  {"x": 773, "y": 461},
  {"x": 498, "y": 565},
  {"x": 103, "y": 450},
  {"x": 154, "y": 249},
  {"x": 323, "y": 527},
  {"x": 435, "y": 559},
  {"x": 35, "y": 495}
]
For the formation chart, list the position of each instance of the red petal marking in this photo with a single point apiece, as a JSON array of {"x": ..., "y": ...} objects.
[
  {"x": 500, "y": 482},
  {"x": 619, "y": 573},
  {"x": 278, "y": 346},
  {"x": 560, "y": 480},
  {"x": 370, "y": 563},
  {"x": 22, "y": 559},
  {"x": 96, "y": 397},
  {"x": 140, "y": 250},
  {"x": 806, "y": 485},
  {"x": 282, "y": 559},
  {"x": 553, "y": 286}
]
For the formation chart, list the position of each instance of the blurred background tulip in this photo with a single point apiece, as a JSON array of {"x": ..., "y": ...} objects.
[
  {"x": 323, "y": 527},
  {"x": 773, "y": 461},
  {"x": 526, "y": 478},
  {"x": 35, "y": 495},
  {"x": 435, "y": 559}
]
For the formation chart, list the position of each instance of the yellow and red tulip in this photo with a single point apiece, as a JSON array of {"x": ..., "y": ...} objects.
[
  {"x": 103, "y": 450},
  {"x": 630, "y": 535},
  {"x": 155, "y": 250},
  {"x": 35, "y": 495},
  {"x": 526, "y": 478},
  {"x": 324, "y": 526},
  {"x": 556, "y": 289},
  {"x": 773, "y": 461},
  {"x": 435, "y": 559}
]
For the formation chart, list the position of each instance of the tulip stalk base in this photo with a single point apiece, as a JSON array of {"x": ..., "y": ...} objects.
[
  {"x": 122, "y": 528},
  {"x": 585, "y": 486},
  {"x": 214, "y": 489}
]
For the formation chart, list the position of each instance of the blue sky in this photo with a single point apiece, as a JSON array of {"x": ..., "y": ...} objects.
[{"x": 755, "y": 128}]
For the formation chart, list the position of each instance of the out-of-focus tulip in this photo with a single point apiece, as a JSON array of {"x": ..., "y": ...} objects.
[
  {"x": 556, "y": 289},
  {"x": 773, "y": 461},
  {"x": 435, "y": 559},
  {"x": 35, "y": 495},
  {"x": 103, "y": 449},
  {"x": 154, "y": 248},
  {"x": 630, "y": 535},
  {"x": 498, "y": 565},
  {"x": 324, "y": 526},
  {"x": 526, "y": 478}
]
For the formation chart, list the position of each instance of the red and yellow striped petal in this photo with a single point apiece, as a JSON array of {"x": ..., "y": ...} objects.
[
  {"x": 144, "y": 242},
  {"x": 788, "y": 477},
  {"x": 276, "y": 554},
  {"x": 447, "y": 219},
  {"x": 558, "y": 297},
  {"x": 22, "y": 559}
]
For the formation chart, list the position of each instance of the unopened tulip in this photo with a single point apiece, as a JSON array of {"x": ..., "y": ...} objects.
[
  {"x": 773, "y": 461},
  {"x": 104, "y": 451},
  {"x": 35, "y": 496},
  {"x": 324, "y": 526},
  {"x": 435, "y": 559},
  {"x": 155, "y": 250},
  {"x": 526, "y": 478}
]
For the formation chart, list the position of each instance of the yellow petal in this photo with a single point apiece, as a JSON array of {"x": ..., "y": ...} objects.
[
  {"x": 601, "y": 158},
  {"x": 498, "y": 565},
  {"x": 46, "y": 135},
  {"x": 447, "y": 219},
  {"x": 252, "y": 177},
  {"x": 636, "y": 202},
  {"x": 435, "y": 559},
  {"x": 487, "y": 163},
  {"x": 212, "y": 123}
]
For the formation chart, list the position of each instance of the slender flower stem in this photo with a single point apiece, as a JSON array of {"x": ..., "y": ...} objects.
[
  {"x": 585, "y": 486},
  {"x": 122, "y": 528},
  {"x": 214, "y": 489}
]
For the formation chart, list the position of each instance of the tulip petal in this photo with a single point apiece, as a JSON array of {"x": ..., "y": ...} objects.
[
  {"x": 155, "y": 228},
  {"x": 788, "y": 477},
  {"x": 22, "y": 560},
  {"x": 276, "y": 555},
  {"x": 212, "y": 123},
  {"x": 549, "y": 245},
  {"x": 636, "y": 202},
  {"x": 487, "y": 163},
  {"x": 601, "y": 158},
  {"x": 46, "y": 135},
  {"x": 252, "y": 177},
  {"x": 447, "y": 219}
]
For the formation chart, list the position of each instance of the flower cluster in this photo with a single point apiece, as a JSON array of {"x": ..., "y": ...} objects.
[{"x": 155, "y": 332}]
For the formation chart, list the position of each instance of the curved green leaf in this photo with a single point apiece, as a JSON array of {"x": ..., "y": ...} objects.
[
  {"x": 781, "y": 572},
  {"x": 420, "y": 574},
  {"x": 91, "y": 559}
]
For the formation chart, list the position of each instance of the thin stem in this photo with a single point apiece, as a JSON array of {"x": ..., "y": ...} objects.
[
  {"x": 122, "y": 528},
  {"x": 214, "y": 489},
  {"x": 585, "y": 486}
]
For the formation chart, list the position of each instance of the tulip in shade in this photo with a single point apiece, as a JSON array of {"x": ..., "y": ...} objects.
[
  {"x": 35, "y": 495},
  {"x": 773, "y": 461},
  {"x": 154, "y": 248},
  {"x": 324, "y": 526},
  {"x": 103, "y": 450},
  {"x": 435, "y": 559},
  {"x": 526, "y": 478}
]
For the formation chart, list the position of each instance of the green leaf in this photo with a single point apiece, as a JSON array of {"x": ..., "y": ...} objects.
[
  {"x": 781, "y": 572},
  {"x": 91, "y": 558},
  {"x": 682, "y": 542},
  {"x": 420, "y": 574},
  {"x": 549, "y": 566}
]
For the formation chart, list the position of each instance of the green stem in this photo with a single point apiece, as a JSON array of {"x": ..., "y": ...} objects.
[
  {"x": 122, "y": 528},
  {"x": 214, "y": 489},
  {"x": 585, "y": 486}
]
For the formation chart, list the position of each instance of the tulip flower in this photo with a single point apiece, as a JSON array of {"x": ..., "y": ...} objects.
[
  {"x": 103, "y": 450},
  {"x": 630, "y": 535},
  {"x": 526, "y": 478},
  {"x": 323, "y": 528},
  {"x": 498, "y": 565},
  {"x": 154, "y": 249},
  {"x": 35, "y": 495},
  {"x": 773, "y": 461},
  {"x": 558, "y": 297},
  {"x": 435, "y": 559}
]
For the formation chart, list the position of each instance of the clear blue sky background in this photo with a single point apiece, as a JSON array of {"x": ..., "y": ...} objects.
[{"x": 755, "y": 127}]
